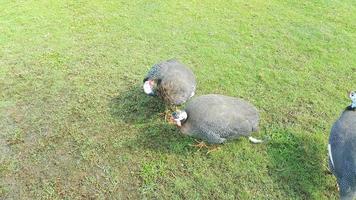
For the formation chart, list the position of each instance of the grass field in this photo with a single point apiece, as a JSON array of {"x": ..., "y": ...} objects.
[{"x": 75, "y": 124}]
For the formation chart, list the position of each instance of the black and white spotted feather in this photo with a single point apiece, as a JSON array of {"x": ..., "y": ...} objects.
[
  {"x": 175, "y": 83},
  {"x": 217, "y": 118},
  {"x": 342, "y": 153}
]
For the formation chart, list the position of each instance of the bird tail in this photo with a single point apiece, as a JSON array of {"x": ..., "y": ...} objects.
[{"x": 255, "y": 141}]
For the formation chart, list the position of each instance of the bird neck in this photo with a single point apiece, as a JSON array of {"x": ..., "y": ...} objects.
[{"x": 352, "y": 106}]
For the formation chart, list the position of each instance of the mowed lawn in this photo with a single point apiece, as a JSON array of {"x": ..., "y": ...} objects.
[{"x": 75, "y": 124}]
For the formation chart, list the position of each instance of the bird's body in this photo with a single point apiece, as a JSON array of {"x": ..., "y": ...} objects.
[
  {"x": 342, "y": 153},
  {"x": 174, "y": 82},
  {"x": 217, "y": 118}
]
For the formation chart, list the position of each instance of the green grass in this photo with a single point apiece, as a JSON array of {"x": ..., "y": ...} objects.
[{"x": 74, "y": 123}]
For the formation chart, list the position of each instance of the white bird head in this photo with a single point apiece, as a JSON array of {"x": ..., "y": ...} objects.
[
  {"x": 352, "y": 96},
  {"x": 148, "y": 87},
  {"x": 179, "y": 116}
]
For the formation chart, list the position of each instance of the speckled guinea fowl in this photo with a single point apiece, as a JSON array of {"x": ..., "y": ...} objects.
[
  {"x": 342, "y": 151},
  {"x": 170, "y": 80},
  {"x": 217, "y": 118}
]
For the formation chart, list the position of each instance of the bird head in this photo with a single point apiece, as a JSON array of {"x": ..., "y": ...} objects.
[
  {"x": 352, "y": 96},
  {"x": 148, "y": 87},
  {"x": 178, "y": 117}
]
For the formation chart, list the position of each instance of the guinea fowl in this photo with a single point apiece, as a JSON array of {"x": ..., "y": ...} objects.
[
  {"x": 171, "y": 81},
  {"x": 342, "y": 151},
  {"x": 216, "y": 118}
]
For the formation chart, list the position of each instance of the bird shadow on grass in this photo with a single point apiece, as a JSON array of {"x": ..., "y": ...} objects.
[
  {"x": 298, "y": 166},
  {"x": 133, "y": 106},
  {"x": 163, "y": 138}
]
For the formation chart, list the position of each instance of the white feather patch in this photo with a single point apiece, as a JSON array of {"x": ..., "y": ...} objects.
[
  {"x": 254, "y": 140},
  {"x": 330, "y": 155},
  {"x": 193, "y": 93}
]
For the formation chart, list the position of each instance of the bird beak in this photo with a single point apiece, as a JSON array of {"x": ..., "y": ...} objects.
[{"x": 171, "y": 120}]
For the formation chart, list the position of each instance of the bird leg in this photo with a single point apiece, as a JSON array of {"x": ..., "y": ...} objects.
[
  {"x": 202, "y": 144},
  {"x": 199, "y": 145},
  {"x": 213, "y": 148}
]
